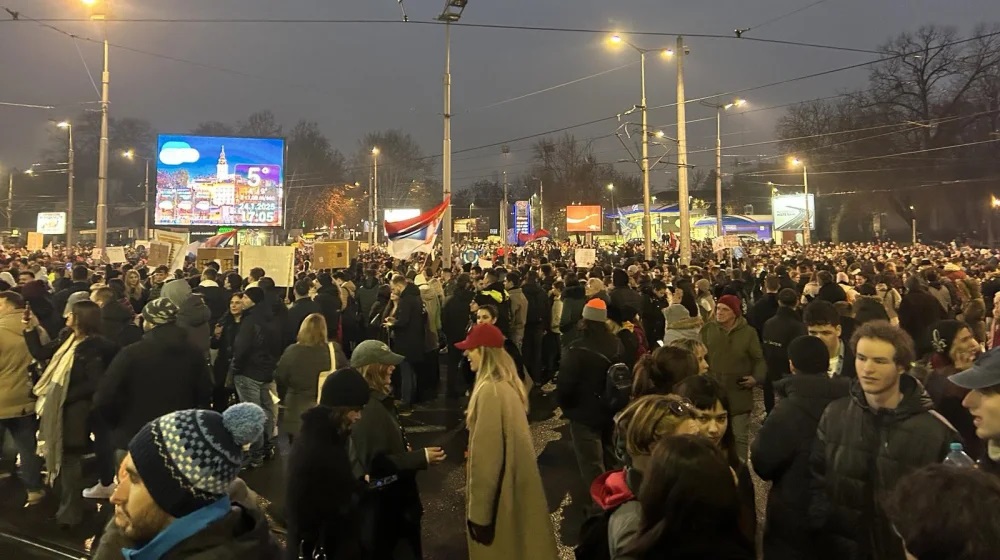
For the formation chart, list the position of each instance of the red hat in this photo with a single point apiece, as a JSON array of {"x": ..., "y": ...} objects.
[
  {"x": 733, "y": 303},
  {"x": 482, "y": 335}
]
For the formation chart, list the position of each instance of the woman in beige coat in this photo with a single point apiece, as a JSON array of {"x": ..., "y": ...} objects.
[{"x": 506, "y": 512}]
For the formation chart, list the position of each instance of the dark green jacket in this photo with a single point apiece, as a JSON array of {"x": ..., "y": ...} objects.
[{"x": 731, "y": 355}]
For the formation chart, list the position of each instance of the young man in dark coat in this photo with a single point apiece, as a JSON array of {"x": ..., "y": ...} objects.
[
  {"x": 302, "y": 307},
  {"x": 409, "y": 337},
  {"x": 866, "y": 442},
  {"x": 455, "y": 324},
  {"x": 765, "y": 307},
  {"x": 216, "y": 297},
  {"x": 823, "y": 321},
  {"x": 781, "y": 450},
  {"x": 779, "y": 331}
]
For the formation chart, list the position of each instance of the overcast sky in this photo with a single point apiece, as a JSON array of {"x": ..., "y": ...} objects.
[{"x": 355, "y": 78}]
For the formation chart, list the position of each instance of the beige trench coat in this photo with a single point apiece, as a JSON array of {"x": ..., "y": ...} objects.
[{"x": 503, "y": 487}]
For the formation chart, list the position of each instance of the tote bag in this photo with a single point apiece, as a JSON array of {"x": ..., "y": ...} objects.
[{"x": 324, "y": 374}]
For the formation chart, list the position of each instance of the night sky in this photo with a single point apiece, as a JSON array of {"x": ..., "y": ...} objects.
[{"x": 356, "y": 78}]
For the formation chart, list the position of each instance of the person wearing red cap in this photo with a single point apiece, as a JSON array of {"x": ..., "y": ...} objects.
[
  {"x": 507, "y": 515},
  {"x": 736, "y": 360}
]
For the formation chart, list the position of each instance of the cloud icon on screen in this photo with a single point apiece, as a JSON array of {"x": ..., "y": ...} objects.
[{"x": 177, "y": 153}]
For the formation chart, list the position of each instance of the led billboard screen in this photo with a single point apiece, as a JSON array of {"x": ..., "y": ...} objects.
[
  {"x": 583, "y": 218},
  {"x": 216, "y": 181}
]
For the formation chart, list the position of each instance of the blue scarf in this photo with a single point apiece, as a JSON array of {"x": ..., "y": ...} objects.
[{"x": 180, "y": 530}]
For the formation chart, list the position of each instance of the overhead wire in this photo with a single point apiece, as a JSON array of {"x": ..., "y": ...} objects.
[{"x": 782, "y": 16}]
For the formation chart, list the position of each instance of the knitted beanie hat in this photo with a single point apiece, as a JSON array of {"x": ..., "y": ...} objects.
[
  {"x": 187, "y": 459},
  {"x": 255, "y": 294},
  {"x": 596, "y": 310},
  {"x": 809, "y": 355},
  {"x": 733, "y": 303},
  {"x": 160, "y": 311},
  {"x": 942, "y": 335}
]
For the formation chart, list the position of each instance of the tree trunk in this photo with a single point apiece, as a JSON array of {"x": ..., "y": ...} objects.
[{"x": 835, "y": 222}]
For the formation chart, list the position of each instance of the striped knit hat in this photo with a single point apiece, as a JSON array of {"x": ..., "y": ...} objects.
[
  {"x": 187, "y": 459},
  {"x": 596, "y": 310}
]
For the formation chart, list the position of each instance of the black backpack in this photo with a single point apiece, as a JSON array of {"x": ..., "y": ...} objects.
[{"x": 617, "y": 383}]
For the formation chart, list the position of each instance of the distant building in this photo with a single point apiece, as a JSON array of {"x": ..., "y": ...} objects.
[{"x": 222, "y": 170}]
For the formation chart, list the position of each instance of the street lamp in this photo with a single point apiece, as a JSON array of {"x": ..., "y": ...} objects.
[
  {"x": 682, "y": 177},
  {"x": 541, "y": 203},
  {"x": 10, "y": 196},
  {"x": 719, "y": 108},
  {"x": 130, "y": 154},
  {"x": 913, "y": 224},
  {"x": 374, "y": 232},
  {"x": 611, "y": 189},
  {"x": 99, "y": 12},
  {"x": 69, "y": 182},
  {"x": 451, "y": 14},
  {"x": 806, "y": 229}
]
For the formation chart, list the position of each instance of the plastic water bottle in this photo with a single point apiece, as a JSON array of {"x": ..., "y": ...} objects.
[{"x": 958, "y": 458}]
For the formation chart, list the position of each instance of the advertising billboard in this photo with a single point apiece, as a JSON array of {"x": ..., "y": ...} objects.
[
  {"x": 789, "y": 212},
  {"x": 583, "y": 218},
  {"x": 214, "y": 180},
  {"x": 51, "y": 223},
  {"x": 400, "y": 214},
  {"x": 522, "y": 218}
]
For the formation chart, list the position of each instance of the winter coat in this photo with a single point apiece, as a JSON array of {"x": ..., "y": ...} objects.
[
  {"x": 455, "y": 315},
  {"x": 297, "y": 375},
  {"x": 762, "y": 310},
  {"x": 117, "y": 325},
  {"x": 192, "y": 313},
  {"x": 44, "y": 310},
  {"x": 329, "y": 302},
  {"x": 432, "y": 296},
  {"x": 731, "y": 356},
  {"x": 59, "y": 298},
  {"x": 625, "y": 296},
  {"x": 653, "y": 319},
  {"x": 616, "y": 490},
  {"x": 297, "y": 313},
  {"x": 779, "y": 331},
  {"x": 858, "y": 457},
  {"x": 243, "y": 534},
  {"x": 518, "y": 315},
  {"x": 90, "y": 360},
  {"x": 703, "y": 545},
  {"x": 366, "y": 295},
  {"x": 781, "y": 454},
  {"x": 216, "y": 298},
  {"x": 161, "y": 373},
  {"x": 538, "y": 312},
  {"x": 974, "y": 315},
  {"x": 941, "y": 294},
  {"x": 257, "y": 346},
  {"x": 224, "y": 344},
  {"x": 918, "y": 310},
  {"x": 947, "y": 398},
  {"x": 323, "y": 495},
  {"x": 409, "y": 336},
  {"x": 503, "y": 488},
  {"x": 680, "y": 325},
  {"x": 890, "y": 300},
  {"x": 573, "y": 300},
  {"x": 831, "y": 293},
  {"x": 16, "y": 399},
  {"x": 380, "y": 450},
  {"x": 582, "y": 378}
]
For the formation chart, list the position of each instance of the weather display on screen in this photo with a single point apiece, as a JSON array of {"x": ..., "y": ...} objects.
[{"x": 214, "y": 180}]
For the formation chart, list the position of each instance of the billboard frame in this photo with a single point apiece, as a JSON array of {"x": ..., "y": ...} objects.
[{"x": 282, "y": 204}]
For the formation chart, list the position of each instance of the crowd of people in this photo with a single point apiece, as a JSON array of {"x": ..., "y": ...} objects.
[{"x": 875, "y": 362}]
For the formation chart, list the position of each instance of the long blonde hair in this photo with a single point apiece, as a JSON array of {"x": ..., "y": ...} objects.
[
  {"x": 312, "y": 332},
  {"x": 497, "y": 366},
  {"x": 649, "y": 419}
]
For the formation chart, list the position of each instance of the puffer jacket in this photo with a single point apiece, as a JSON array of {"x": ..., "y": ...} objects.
[
  {"x": 781, "y": 454},
  {"x": 858, "y": 456},
  {"x": 732, "y": 355},
  {"x": 16, "y": 399}
]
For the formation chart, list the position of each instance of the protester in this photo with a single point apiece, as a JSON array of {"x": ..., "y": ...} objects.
[
  {"x": 76, "y": 362},
  {"x": 823, "y": 322},
  {"x": 172, "y": 497},
  {"x": 192, "y": 314},
  {"x": 116, "y": 320},
  {"x": 323, "y": 494},
  {"x": 657, "y": 373},
  {"x": 455, "y": 324},
  {"x": 80, "y": 283},
  {"x": 779, "y": 331},
  {"x": 918, "y": 310},
  {"x": 518, "y": 307},
  {"x": 866, "y": 442},
  {"x": 781, "y": 449},
  {"x": 408, "y": 324},
  {"x": 223, "y": 340},
  {"x": 135, "y": 291},
  {"x": 982, "y": 381},
  {"x": 506, "y": 514},
  {"x": 736, "y": 360},
  {"x": 302, "y": 307},
  {"x": 299, "y": 368},
  {"x": 955, "y": 350}
]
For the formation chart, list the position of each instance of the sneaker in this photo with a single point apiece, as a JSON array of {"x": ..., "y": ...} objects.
[
  {"x": 99, "y": 491},
  {"x": 34, "y": 498}
]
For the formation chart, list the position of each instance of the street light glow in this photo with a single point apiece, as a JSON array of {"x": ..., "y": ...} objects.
[
  {"x": 616, "y": 38},
  {"x": 29, "y": 172},
  {"x": 667, "y": 53},
  {"x": 659, "y": 134},
  {"x": 129, "y": 154},
  {"x": 89, "y": 2},
  {"x": 63, "y": 124},
  {"x": 794, "y": 162},
  {"x": 611, "y": 186},
  {"x": 375, "y": 151}
]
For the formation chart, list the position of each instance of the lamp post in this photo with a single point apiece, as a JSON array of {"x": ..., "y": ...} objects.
[
  {"x": 375, "y": 225},
  {"x": 806, "y": 227},
  {"x": 452, "y": 13},
  {"x": 130, "y": 154},
  {"x": 541, "y": 203},
  {"x": 913, "y": 225},
  {"x": 69, "y": 184},
  {"x": 99, "y": 12},
  {"x": 611, "y": 189},
  {"x": 719, "y": 108},
  {"x": 647, "y": 231},
  {"x": 10, "y": 197}
]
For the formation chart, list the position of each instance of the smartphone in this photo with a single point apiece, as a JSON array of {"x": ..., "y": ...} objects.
[
  {"x": 69, "y": 266},
  {"x": 27, "y": 312},
  {"x": 379, "y": 483}
]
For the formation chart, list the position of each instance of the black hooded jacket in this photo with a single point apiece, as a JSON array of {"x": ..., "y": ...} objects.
[
  {"x": 858, "y": 456},
  {"x": 781, "y": 454},
  {"x": 258, "y": 344},
  {"x": 574, "y": 298}
]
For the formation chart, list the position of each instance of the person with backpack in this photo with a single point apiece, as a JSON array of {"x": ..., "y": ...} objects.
[
  {"x": 644, "y": 422},
  {"x": 581, "y": 389}
]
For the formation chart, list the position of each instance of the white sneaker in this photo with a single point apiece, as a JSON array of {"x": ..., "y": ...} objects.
[{"x": 99, "y": 491}]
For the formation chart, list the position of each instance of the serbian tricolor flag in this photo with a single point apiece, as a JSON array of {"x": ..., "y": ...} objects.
[
  {"x": 525, "y": 238},
  {"x": 415, "y": 235}
]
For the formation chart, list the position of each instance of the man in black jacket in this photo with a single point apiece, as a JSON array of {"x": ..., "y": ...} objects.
[
  {"x": 654, "y": 322},
  {"x": 330, "y": 303},
  {"x": 255, "y": 356},
  {"x": 215, "y": 296},
  {"x": 161, "y": 373},
  {"x": 537, "y": 318},
  {"x": 829, "y": 289},
  {"x": 302, "y": 307},
  {"x": 778, "y": 332},
  {"x": 81, "y": 283},
  {"x": 455, "y": 324},
  {"x": 866, "y": 442},
  {"x": 409, "y": 337},
  {"x": 765, "y": 307},
  {"x": 116, "y": 320},
  {"x": 781, "y": 450},
  {"x": 824, "y": 322}
]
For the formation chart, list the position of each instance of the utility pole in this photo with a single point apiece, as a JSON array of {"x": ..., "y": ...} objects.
[
  {"x": 376, "y": 225},
  {"x": 541, "y": 204},
  {"x": 10, "y": 199},
  {"x": 69, "y": 188},
  {"x": 102, "y": 162},
  {"x": 682, "y": 158},
  {"x": 647, "y": 217},
  {"x": 807, "y": 228},
  {"x": 451, "y": 14},
  {"x": 718, "y": 171},
  {"x": 145, "y": 202}
]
